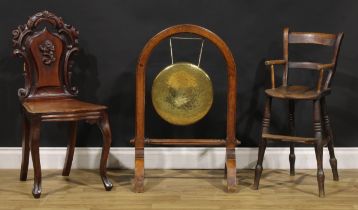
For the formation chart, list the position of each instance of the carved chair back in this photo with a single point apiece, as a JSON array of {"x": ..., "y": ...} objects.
[
  {"x": 46, "y": 44},
  {"x": 312, "y": 38}
]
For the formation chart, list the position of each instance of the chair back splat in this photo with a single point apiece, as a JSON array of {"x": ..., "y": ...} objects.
[
  {"x": 311, "y": 38},
  {"x": 46, "y": 44}
]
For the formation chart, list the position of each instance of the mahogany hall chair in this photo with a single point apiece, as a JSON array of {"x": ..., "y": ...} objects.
[
  {"x": 321, "y": 124},
  {"x": 46, "y": 45}
]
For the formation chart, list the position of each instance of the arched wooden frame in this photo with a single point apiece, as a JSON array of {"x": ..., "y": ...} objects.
[{"x": 230, "y": 142}]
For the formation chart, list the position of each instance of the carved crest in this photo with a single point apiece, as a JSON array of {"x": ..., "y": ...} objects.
[
  {"x": 20, "y": 34},
  {"x": 47, "y": 49},
  {"x": 67, "y": 33}
]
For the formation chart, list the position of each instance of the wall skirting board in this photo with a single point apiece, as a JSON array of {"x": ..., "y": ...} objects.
[{"x": 180, "y": 158}]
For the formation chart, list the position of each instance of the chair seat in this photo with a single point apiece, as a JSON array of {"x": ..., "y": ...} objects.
[
  {"x": 53, "y": 106},
  {"x": 295, "y": 92}
]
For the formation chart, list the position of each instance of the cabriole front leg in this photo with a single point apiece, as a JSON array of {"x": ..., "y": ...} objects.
[
  {"x": 35, "y": 154},
  {"x": 107, "y": 140}
]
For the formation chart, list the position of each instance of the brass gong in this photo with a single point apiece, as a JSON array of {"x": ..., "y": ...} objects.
[{"x": 182, "y": 93}]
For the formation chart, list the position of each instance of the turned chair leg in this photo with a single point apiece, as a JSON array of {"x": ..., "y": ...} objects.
[
  {"x": 225, "y": 171},
  {"x": 139, "y": 170},
  {"x": 70, "y": 148},
  {"x": 330, "y": 144},
  {"x": 25, "y": 148},
  {"x": 292, "y": 159},
  {"x": 263, "y": 142},
  {"x": 107, "y": 140},
  {"x": 231, "y": 170},
  {"x": 291, "y": 119},
  {"x": 317, "y": 124},
  {"x": 259, "y": 168},
  {"x": 333, "y": 160},
  {"x": 35, "y": 154}
]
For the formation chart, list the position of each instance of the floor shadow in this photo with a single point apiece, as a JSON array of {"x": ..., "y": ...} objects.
[
  {"x": 11, "y": 79},
  {"x": 252, "y": 115},
  {"x": 121, "y": 177},
  {"x": 246, "y": 179},
  {"x": 122, "y": 104},
  {"x": 85, "y": 77}
]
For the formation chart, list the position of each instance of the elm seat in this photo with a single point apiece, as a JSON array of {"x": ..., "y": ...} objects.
[
  {"x": 67, "y": 105},
  {"x": 296, "y": 92}
]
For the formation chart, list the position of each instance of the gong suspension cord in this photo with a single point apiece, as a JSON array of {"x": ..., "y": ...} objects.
[{"x": 186, "y": 38}]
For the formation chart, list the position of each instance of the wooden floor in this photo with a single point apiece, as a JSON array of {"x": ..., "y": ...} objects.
[{"x": 180, "y": 189}]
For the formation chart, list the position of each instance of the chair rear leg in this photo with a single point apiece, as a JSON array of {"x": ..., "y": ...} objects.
[
  {"x": 263, "y": 142},
  {"x": 330, "y": 144},
  {"x": 70, "y": 148},
  {"x": 25, "y": 148},
  {"x": 317, "y": 124},
  {"x": 291, "y": 119},
  {"x": 107, "y": 140}
]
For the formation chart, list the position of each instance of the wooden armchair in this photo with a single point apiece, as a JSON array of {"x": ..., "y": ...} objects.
[
  {"x": 323, "y": 134},
  {"x": 48, "y": 94}
]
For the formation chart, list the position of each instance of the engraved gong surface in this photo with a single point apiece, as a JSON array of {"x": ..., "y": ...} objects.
[{"x": 182, "y": 93}]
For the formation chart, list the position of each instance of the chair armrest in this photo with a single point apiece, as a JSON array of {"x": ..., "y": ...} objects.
[
  {"x": 274, "y": 62},
  {"x": 271, "y": 63},
  {"x": 321, "y": 68}
]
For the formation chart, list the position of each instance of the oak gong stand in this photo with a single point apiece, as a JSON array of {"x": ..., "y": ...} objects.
[{"x": 140, "y": 141}]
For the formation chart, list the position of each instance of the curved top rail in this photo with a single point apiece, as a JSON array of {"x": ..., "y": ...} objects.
[{"x": 142, "y": 66}]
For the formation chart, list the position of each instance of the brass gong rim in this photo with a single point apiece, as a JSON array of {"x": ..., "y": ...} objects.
[{"x": 182, "y": 93}]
